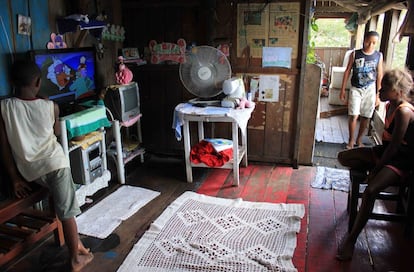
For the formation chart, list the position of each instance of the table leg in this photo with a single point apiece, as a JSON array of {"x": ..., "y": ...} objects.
[
  {"x": 119, "y": 156},
  {"x": 187, "y": 147},
  {"x": 235, "y": 153},
  {"x": 200, "y": 131},
  {"x": 244, "y": 145}
]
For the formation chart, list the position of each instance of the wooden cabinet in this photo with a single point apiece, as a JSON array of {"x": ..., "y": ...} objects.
[{"x": 160, "y": 91}]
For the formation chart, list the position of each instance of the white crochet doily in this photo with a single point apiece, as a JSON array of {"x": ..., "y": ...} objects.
[{"x": 204, "y": 233}]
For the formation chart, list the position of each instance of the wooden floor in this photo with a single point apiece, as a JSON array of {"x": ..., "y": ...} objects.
[
  {"x": 332, "y": 124},
  {"x": 334, "y": 128},
  {"x": 381, "y": 247}
]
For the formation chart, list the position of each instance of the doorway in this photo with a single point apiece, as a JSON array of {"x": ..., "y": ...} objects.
[{"x": 331, "y": 134}]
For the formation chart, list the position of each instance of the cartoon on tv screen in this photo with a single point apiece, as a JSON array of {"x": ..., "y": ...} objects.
[{"x": 68, "y": 73}]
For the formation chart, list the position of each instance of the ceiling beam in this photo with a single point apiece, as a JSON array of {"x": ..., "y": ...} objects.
[
  {"x": 378, "y": 7},
  {"x": 365, "y": 8}
]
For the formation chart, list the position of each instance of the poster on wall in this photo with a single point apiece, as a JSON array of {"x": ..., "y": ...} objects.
[
  {"x": 277, "y": 57},
  {"x": 284, "y": 26},
  {"x": 24, "y": 24},
  {"x": 269, "y": 88},
  {"x": 252, "y": 28},
  {"x": 267, "y": 25}
]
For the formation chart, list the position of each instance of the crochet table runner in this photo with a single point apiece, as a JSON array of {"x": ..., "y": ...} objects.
[
  {"x": 106, "y": 215},
  {"x": 203, "y": 233}
]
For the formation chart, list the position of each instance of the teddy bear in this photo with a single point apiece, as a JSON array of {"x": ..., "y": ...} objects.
[
  {"x": 235, "y": 93},
  {"x": 56, "y": 42}
]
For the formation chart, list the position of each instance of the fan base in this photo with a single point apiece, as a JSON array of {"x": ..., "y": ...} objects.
[{"x": 200, "y": 102}]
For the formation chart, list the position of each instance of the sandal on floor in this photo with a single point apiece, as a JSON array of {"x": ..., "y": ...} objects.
[{"x": 348, "y": 147}]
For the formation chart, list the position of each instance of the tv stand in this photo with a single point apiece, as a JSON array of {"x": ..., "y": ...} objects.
[
  {"x": 129, "y": 150},
  {"x": 99, "y": 182}
]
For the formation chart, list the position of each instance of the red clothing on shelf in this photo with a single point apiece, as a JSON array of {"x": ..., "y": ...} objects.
[{"x": 204, "y": 152}]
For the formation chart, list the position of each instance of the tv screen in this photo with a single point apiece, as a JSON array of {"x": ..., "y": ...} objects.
[
  {"x": 123, "y": 101},
  {"x": 67, "y": 74},
  {"x": 130, "y": 99}
]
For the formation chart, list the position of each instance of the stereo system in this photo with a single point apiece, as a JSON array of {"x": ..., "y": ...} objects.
[{"x": 87, "y": 164}]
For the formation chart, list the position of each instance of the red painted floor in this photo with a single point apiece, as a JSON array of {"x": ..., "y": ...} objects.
[{"x": 381, "y": 247}]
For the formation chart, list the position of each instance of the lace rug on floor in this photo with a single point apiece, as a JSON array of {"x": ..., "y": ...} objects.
[
  {"x": 106, "y": 215},
  {"x": 204, "y": 233},
  {"x": 331, "y": 178}
]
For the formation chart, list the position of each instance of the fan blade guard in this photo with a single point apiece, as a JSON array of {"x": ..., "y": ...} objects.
[{"x": 204, "y": 71}]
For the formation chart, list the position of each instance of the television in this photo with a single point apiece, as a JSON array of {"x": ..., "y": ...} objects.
[
  {"x": 123, "y": 101},
  {"x": 67, "y": 74}
]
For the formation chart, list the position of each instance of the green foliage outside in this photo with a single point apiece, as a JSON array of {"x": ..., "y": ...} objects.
[
  {"x": 332, "y": 33},
  {"x": 400, "y": 53},
  {"x": 311, "y": 56}
]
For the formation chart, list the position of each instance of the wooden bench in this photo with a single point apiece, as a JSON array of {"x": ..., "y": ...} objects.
[{"x": 21, "y": 225}]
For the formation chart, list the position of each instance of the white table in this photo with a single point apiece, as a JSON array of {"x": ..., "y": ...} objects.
[{"x": 186, "y": 113}]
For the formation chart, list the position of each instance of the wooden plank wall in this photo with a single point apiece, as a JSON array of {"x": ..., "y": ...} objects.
[
  {"x": 272, "y": 128},
  {"x": 43, "y": 14},
  {"x": 12, "y": 43},
  {"x": 6, "y": 46},
  {"x": 331, "y": 56}
]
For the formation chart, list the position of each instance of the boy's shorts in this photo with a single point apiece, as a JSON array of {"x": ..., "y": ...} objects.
[
  {"x": 361, "y": 101},
  {"x": 62, "y": 189}
]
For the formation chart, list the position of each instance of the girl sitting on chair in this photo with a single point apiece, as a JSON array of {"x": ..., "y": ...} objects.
[{"x": 389, "y": 162}]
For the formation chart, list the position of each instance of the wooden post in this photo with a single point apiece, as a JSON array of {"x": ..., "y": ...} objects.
[
  {"x": 372, "y": 24},
  {"x": 391, "y": 28}
]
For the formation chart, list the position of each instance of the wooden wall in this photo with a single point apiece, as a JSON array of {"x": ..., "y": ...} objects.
[
  {"x": 272, "y": 130},
  {"x": 13, "y": 44},
  {"x": 43, "y": 14},
  {"x": 112, "y": 8},
  {"x": 274, "y": 127}
]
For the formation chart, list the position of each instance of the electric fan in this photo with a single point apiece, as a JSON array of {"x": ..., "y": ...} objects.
[{"x": 203, "y": 73}]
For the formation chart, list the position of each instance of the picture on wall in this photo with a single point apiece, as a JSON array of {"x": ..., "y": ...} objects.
[
  {"x": 24, "y": 24},
  {"x": 270, "y": 25}
]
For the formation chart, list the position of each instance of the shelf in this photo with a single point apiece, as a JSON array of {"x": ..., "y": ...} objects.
[
  {"x": 131, "y": 121},
  {"x": 127, "y": 156},
  {"x": 238, "y": 119},
  {"x": 90, "y": 138},
  {"x": 227, "y": 165},
  {"x": 71, "y": 25},
  {"x": 133, "y": 154},
  {"x": 129, "y": 150},
  {"x": 95, "y": 134}
]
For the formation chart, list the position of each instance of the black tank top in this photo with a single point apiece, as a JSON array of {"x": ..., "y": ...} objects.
[{"x": 364, "y": 68}]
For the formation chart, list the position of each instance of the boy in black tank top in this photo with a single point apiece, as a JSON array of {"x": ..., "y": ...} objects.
[{"x": 366, "y": 66}]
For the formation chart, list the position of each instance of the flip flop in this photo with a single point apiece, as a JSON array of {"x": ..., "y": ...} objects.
[
  {"x": 348, "y": 147},
  {"x": 101, "y": 245}
]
